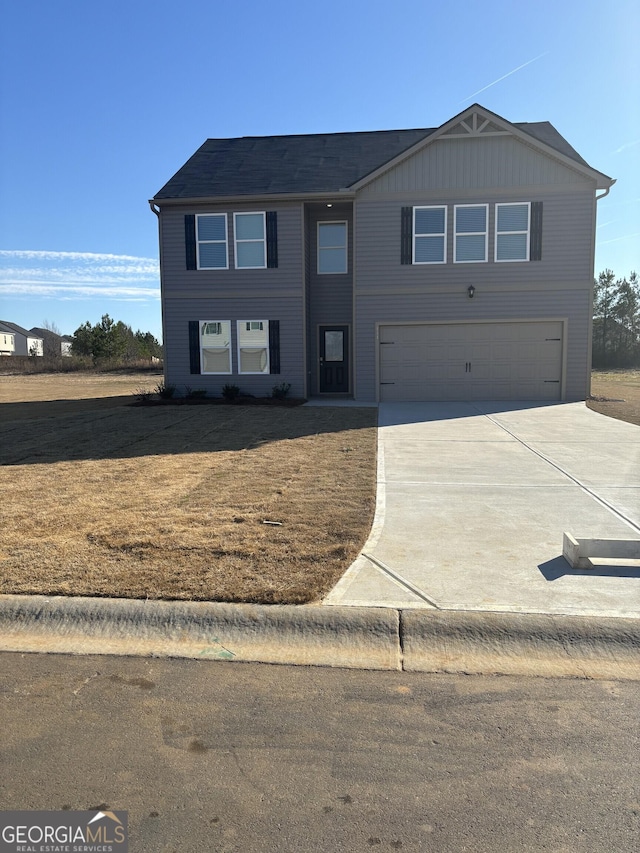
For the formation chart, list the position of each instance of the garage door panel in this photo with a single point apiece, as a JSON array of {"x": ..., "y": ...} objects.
[{"x": 473, "y": 361}]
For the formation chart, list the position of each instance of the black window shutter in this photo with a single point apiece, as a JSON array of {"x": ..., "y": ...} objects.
[
  {"x": 406, "y": 238},
  {"x": 190, "y": 240},
  {"x": 194, "y": 346},
  {"x": 272, "y": 239},
  {"x": 535, "y": 247},
  {"x": 274, "y": 346}
]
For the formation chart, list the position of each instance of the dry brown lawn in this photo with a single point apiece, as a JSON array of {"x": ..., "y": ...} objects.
[
  {"x": 616, "y": 393},
  {"x": 101, "y": 498}
]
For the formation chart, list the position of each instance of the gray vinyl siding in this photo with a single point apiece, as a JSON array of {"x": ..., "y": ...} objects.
[
  {"x": 551, "y": 304},
  {"x": 566, "y": 243},
  {"x": 450, "y": 164},
  {"x": 287, "y": 311},
  {"x": 558, "y": 286},
  {"x": 262, "y": 294},
  {"x": 330, "y": 299}
]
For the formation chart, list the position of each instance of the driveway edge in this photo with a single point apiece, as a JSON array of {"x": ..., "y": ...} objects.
[{"x": 378, "y": 638}]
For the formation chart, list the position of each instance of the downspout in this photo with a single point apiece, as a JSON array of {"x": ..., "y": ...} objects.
[
  {"x": 593, "y": 268},
  {"x": 156, "y": 209}
]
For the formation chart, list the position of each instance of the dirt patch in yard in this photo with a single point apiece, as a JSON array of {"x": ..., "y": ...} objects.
[
  {"x": 219, "y": 503},
  {"x": 616, "y": 393}
]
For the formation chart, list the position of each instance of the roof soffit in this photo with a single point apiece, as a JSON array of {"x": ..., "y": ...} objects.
[{"x": 474, "y": 122}]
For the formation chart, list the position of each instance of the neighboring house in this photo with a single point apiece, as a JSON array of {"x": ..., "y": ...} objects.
[
  {"x": 14, "y": 340},
  {"x": 54, "y": 345},
  {"x": 453, "y": 263}
]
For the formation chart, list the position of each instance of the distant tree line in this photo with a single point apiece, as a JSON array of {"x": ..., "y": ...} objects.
[
  {"x": 109, "y": 340},
  {"x": 616, "y": 321}
]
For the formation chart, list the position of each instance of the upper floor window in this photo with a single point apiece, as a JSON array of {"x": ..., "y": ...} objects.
[
  {"x": 211, "y": 241},
  {"x": 512, "y": 231},
  {"x": 332, "y": 247},
  {"x": 470, "y": 226},
  {"x": 429, "y": 234},
  {"x": 250, "y": 240}
]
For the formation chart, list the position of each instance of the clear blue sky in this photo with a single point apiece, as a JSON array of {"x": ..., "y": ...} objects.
[{"x": 103, "y": 102}]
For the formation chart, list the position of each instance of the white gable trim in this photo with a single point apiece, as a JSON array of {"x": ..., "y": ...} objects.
[{"x": 473, "y": 123}]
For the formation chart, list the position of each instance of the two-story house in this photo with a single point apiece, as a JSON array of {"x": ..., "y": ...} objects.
[
  {"x": 14, "y": 340},
  {"x": 451, "y": 263}
]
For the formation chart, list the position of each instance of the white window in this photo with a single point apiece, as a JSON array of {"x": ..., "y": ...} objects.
[
  {"x": 332, "y": 248},
  {"x": 471, "y": 233},
  {"x": 253, "y": 346},
  {"x": 429, "y": 234},
  {"x": 250, "y": 240},
  {"x": 211, "y": 240},
  {"x": 215, "y": 346},
  {"x": 512, "y": 231}
]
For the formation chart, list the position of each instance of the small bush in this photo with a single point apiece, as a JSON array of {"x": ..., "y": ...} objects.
[
  {"x": 142, "y": 395},
  {"x": 195, "y": 393},
  {"x": 165, "y": 392},
  {"x": 281, "y": 391},
  {"x": 230, "y": 392}
]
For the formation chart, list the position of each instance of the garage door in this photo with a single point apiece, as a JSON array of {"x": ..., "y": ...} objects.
[{"x": 471, "y": 361}]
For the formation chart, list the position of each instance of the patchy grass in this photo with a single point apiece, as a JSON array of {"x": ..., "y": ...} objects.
[
  {"x": 172, "y": 502},
  {"x": 616, "y": 393}
]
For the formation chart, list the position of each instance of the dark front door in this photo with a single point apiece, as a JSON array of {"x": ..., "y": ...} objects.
[{"x": 334, "y": 359}]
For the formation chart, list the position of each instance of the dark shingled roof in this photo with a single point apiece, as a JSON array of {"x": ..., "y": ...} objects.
[{"x": 317, "y": 163}]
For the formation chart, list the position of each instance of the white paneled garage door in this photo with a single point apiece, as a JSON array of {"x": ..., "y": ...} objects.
[{"x": 471, "y": 361}]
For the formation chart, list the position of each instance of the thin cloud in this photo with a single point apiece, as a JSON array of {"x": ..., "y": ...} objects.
[
  {"x": 504, "y": 77},
  {"x": 627, "y": 145},
  {"x": 617, "y": 239},
  {"x": 78, "y": 275}
]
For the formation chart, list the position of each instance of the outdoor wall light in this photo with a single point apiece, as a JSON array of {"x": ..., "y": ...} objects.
[
  {"x": 329, "y": 205},
  {"x": 471, "y": 290}
]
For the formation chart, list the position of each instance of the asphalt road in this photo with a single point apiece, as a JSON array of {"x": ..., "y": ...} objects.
[{"x": 210, "y": 756}]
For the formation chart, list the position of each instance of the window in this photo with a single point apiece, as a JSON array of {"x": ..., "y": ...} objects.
[
  {"x": 211, "y": 241},
  {"x": 332, "y": 247},
  {"x": 250, "y": 240},
  {"x": 429, "y": 235},
  {"x": 512, "y": 231},
  {"x": 253, "y": 346},
  {"x": 215, "y": 346},
  {"x": 470, "y": 226}
]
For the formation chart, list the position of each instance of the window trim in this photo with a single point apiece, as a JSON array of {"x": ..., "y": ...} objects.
[
  {"x": 442, "y": 234},
  {"x": 267, "y": 348},
  {"x": 527, "y": 233},
  {"x": 484, "y": 260},
  {"x": 344, "y": 222},
  {"x": 225, "y": 241},
  {"x": 261, "y": 213},
  {"x": 204, "y": 372}
]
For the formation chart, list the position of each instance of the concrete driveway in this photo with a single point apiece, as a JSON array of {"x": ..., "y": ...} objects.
[{"x": 473, "y": 501}]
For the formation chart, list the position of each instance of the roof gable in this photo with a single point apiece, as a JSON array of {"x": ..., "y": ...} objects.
[
  {"x": 478, "y": 122},
  {"x": 13, "y": 327}
]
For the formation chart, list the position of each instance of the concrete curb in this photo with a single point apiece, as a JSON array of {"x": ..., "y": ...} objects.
[
  {"x": 352, "y": 637},
  {"x": 364, "y": 638},
  {"x": 520, "y": 644}
]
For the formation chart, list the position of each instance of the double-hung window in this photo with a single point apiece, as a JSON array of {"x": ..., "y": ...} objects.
[
  {"x": 250, "y": 240},
  {"x": 513, "y": 222},
  {"x": 471, "y": 233},
  {"x": 211, "y": 241},
  {"x": 215, "y": 346},
  {"x": 253, "y": 346},
  {"x": 332, "y": 248},
  {"x": 429, "y": 234}
]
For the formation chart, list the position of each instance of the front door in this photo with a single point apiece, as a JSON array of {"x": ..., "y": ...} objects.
[{"x": 334, "y": 359}]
